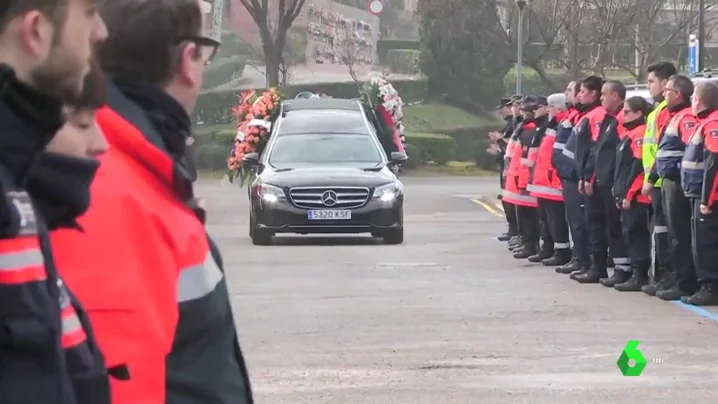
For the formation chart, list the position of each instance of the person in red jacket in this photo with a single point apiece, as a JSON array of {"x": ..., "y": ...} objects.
[
  {"x": 144, "y": 266},
  {"x": 546, "y": 186},
  {"x": 517, "y": 180},
  {"x": 635, "y": 207}
]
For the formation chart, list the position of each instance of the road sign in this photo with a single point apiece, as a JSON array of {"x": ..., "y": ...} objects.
[
  {"x": 376, "y": 6},
  {"x": 693, "y": 50}
]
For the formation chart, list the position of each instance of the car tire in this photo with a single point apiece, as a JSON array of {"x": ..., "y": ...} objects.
[
  {"x": 394, "y": 236},
  {"x": 259, "y": 236}
]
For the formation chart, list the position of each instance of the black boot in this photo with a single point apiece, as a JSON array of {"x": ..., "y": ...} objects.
[
  {"x": 676, "y": 292},
  {"x": 618, "y": 276},
  {"x": 662, "y": 280},
  {"x": 544, "y": 253},
  {"x": 609, "y": 262},
  {"x": 505, "y": 237},
  {"x": 596, "y": 272},
  {"x": 527, "y": 251},
  {"x": 559, "y": 258},
  {"x": 706, "y": 296},
  {"x": 638, "y": 279},
  {"x": 579, "y": 272}
]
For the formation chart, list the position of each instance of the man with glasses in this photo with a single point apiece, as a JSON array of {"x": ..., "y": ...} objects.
[
  {"x": 152, "y": 278},
  {"x": 680, "y": 278}
]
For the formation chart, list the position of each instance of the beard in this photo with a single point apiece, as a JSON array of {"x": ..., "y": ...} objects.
[{"x": 61, "y": 76}]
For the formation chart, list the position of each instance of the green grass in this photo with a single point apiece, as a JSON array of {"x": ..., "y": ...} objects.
[
  {"x": 437, "y": 118},
  {"x": 453, "y": 168},
  {"x": 208, "y": 129}
]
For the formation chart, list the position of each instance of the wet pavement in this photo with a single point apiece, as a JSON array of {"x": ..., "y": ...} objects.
[{"x": 448, "y": 317}]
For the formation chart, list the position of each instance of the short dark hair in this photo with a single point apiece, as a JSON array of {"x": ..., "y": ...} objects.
[
  {"x": 94, "y": 91},
  {"x": 147, "y": 48},
  {"x": 617, "y": 87},
  {"x": 707, "y": 93},
  {"x": 638, "y": 103},
  {"x": 592, "y": 83},
  {"x": 683, "y": 84},
  {"x": 10, "y": 9},
  {"x": 662, "y": 70}
]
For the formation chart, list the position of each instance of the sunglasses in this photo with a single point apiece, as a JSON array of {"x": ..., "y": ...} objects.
[{"x": 209, "y": 46}]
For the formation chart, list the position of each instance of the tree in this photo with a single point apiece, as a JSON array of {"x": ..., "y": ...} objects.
[
  {"x": 273, "y": 31},
  {"x": 349, "y": 50},
  {"x": 463, "y": 51}
]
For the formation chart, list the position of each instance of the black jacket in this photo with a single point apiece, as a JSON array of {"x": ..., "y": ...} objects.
[
  {"x": 47, "y": 350},
  {"x": 206, "y": 365}
]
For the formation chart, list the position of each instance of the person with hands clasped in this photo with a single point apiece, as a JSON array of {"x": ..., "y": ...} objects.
[
  {"x": 634, "y": 206},
  {"x": 699, "y": 172}
]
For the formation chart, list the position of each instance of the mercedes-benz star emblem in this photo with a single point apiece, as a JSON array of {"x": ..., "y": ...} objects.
[{"x": 329, "y": 198}]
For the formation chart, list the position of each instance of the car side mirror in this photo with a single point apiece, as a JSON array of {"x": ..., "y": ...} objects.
[
  {"x": 399, "y": 157},
  {"x": 251, "y": 159}
]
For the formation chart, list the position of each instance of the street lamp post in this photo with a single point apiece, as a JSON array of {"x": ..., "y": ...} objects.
[
  {"x": 701, "y": 34},
  {"x": 521, "y": 4}
]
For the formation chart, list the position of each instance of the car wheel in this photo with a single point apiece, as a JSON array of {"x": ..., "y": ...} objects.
[
  {"x": 394, "y": 236},
  {"x": 259, "y": 236}
]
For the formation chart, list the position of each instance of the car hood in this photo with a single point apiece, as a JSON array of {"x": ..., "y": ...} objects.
[{"x": 328, "y": 176}]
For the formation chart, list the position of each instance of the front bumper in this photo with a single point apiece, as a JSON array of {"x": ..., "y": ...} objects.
[{"x": 284, "y": 217}]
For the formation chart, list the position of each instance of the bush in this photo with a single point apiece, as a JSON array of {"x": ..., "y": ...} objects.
[
  {"x": 532, "y": 82},
  {"x": 466, "y": 137},
  {"x": 482, "y": 158},
  {"x": 212, "y": 157},
  {"x": 439, "y": 148},
  {"x": 404, "y": 61},
  {"x": 383, "y": 46},
  {"x": 223, "y": 71},
  {"x": 416, "y": 156},
  {"x": 214, "y": 107}
]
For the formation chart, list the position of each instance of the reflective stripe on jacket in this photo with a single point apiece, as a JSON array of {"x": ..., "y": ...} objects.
[
  {"x": 147, "y": 274},
  {"x": 654, "y": 126},
  {"x": 692, "y": 166},
  {"x": 545, "y": 183},
  {"x": 518, "y": 171},
  {"x": 562, "y": 157},
  {"x": 628, "y": 179},
  {"x": 673, "y": 143}
]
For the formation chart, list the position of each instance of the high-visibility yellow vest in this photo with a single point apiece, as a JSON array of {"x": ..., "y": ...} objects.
[{"x": 650, "y": 141}]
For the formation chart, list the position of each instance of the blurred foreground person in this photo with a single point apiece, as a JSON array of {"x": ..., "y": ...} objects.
[
  {"x": 658, "y": 75},
  {"x": 680, "y": 277},
  {"x": 47, "y": 350},
  {"x": 634, "y": 207},
  {"x": 546, "y": 186},
  {"x": 151, "y": 278},
  {"x": 563, "y": 160},
  {"x": 699, "y": 177}
]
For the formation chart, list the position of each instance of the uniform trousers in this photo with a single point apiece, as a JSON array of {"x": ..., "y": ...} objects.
[
  {"x": 636, "y": 234},
  {"x": 605, "y": 230},
  {"x": 554, "y": 217},
  {"x": 544, "y": 225},
  {"x": 509, "y": 211},
  {"x": 576, "y": 217},
  {"x": 678, "y": 211},
  {"x": 529, "y": 227},
  {"x": 705, "y": 243},
  {"x": 660, "y": 234}
]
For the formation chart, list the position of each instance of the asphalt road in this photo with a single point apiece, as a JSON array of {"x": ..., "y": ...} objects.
[{"x": 448, "y": 317}]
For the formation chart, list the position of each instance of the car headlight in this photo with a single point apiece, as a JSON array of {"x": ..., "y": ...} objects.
[
  {"x": 268, "y": 193},
  {"x": 388, "y": 192}
]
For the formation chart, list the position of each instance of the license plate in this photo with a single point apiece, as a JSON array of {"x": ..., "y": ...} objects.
[{"x": 329, "y": 214}]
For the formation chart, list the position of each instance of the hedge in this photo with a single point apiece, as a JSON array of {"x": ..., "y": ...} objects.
[
  {"x": 213, "y": 107},
  {"x": 437, "y": 147},
  {"x": 223, "y": 71},
  {"x": 532, "y": 82},
  {"x": 404, "y": 61},
  {"x": 383, "y": 46}
]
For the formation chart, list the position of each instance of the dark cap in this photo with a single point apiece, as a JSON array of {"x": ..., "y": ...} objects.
[
  {"x": 515, "y": 98},
  {"x": 503, "y": 102}
]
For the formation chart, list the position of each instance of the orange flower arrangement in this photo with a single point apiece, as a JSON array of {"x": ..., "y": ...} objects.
[{"x": 255, "y": 115}]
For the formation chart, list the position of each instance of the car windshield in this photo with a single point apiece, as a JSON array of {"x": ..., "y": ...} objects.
[{"x": 325, "y": 148}]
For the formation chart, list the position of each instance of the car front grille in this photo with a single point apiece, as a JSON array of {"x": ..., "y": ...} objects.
[{"x": 322, "y": 197}]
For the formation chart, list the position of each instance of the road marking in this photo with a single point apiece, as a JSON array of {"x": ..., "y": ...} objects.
[
  {"x": 710, "y": 315},
  {"x": 489, "y": 208}
]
